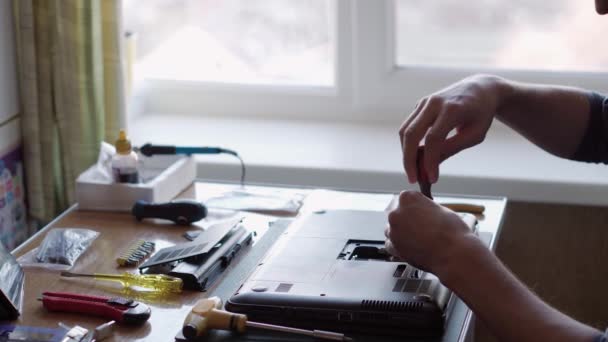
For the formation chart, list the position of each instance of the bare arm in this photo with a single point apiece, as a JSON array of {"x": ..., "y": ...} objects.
[
  {"x": 552, "y": 117},
  {"x": 435, "y": 239},
  {"x": 509, "y": 309},
  {"x": 555, "y": 118}
]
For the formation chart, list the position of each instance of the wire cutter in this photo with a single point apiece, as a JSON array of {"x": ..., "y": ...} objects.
[{"x": 121, "y": 310}]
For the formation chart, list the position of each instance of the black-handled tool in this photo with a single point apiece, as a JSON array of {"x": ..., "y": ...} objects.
[
  {"x": 149, "y": 150},
  {"x": 423, "y": 177},
  {"x": 182, "y": 212}
]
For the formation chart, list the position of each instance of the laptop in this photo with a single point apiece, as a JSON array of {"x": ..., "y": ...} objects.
[
  {"x": 11, "y": 286},
  {"x": 329, "y": 271}
]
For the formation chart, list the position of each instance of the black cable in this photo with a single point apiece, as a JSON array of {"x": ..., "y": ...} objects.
[
  {"x": 232, "y": 152},
  {"x": 242, "y": 170}
]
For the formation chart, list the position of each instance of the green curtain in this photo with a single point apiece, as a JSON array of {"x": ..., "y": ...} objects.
[{"x": 72, "y": 92}]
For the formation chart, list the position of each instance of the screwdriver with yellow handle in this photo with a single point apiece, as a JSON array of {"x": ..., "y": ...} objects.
[
  {"x": 207, "y": 314},
  {"x": 159, "y": 283}
]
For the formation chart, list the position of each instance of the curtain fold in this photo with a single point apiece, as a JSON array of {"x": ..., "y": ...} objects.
[{"x": 72, "y": 92}]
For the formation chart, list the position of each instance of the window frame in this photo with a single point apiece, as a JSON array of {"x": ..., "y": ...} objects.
[{"x": 368, "y": 83}]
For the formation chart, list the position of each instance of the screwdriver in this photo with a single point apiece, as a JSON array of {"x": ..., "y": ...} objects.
[
  {"x": 423, "y": 179},
  {"x": 182, "y": 212},
  {"x": 207, "y": 314},
  {"x": 425, "y": 189},
  {"x": 160, "y": 283}
]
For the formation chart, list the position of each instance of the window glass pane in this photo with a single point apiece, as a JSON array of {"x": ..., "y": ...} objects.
[
  {"x": 233, "y": 41},
  {"x": 530, "y": 34}
]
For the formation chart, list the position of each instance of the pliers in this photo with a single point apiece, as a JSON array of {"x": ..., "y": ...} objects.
[{"x": 121, "y": 310}]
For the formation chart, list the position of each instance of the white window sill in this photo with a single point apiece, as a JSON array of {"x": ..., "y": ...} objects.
[{"x": 364, "y": 156}]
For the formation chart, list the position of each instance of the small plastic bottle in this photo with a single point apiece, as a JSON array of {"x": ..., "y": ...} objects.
[{"x": 124, "y": 162}]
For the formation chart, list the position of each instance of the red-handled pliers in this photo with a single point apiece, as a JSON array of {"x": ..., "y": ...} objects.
[{"x": 121, "y": 310}]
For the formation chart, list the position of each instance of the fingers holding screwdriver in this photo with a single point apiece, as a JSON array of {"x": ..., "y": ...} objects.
[
  {"x": 465, "y": 108},
  {"x": 422, "y": 175},
  {"x": 413, "y": 130},
  {"x": 425, "y": 188}
]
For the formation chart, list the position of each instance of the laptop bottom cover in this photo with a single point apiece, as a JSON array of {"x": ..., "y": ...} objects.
[{"x": 328, "y": 271}]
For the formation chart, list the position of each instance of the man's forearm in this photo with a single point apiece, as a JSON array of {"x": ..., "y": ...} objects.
[
  {"x": 552, "y": 117},
  {"x": 510, "y": 310}
]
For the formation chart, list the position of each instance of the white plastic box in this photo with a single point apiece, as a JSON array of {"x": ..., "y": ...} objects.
[{"x": 161, "y": 179}]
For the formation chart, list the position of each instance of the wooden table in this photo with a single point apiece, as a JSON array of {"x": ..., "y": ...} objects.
[{"x": 119, "y": 230}]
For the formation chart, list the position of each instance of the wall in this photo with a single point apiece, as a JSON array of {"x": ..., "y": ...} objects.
[{"x": 561, "y": 253}]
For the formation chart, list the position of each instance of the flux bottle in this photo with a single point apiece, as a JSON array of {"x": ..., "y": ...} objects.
[{"x": 124, "y": 162}]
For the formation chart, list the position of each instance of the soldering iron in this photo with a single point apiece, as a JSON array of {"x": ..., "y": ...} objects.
[{"x": 149, "y": 150}]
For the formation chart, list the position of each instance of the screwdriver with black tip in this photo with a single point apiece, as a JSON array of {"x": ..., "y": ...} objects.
[
  {"x": 423, "y": 178},
  {"x": 207, "y": 314},
  {"x": 425, "y": 189}
]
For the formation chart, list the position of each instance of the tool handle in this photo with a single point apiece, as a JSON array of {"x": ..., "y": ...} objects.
[
  {"x": 421, "y": 170},
  {"x": 198, "y": 150},
  {"x": 182, "y": 212},
  {"x": 149, "y": 150},
  {"x": 159, "y": 282},
  {"x": 423, "y": 177},
  {"x": 89, "y": 305}
]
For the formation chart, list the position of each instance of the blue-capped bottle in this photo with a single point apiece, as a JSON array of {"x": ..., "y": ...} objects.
[{"x": 124, "y": 162}]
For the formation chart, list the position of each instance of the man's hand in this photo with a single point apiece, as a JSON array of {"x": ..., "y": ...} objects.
[
  {"x": 435, "y": 239},
  {"x": 425, "y": 234},
  {"x": 468, "y": 107}
]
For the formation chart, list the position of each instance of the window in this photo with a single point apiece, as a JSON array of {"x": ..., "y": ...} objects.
[
  {"x": 535, "y": 35},
  {"x": 234, "y": 41},
  {"x": 351, "y": 59}
]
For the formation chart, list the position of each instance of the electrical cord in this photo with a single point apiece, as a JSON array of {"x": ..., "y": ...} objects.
[
  {"x": 234, "y": 153},
  {"x": 242, "y": 170}
]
